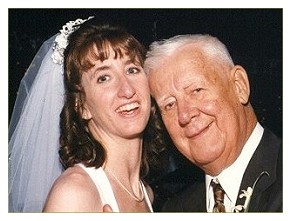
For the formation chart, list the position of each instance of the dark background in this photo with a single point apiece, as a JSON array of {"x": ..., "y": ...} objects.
[{"x": 253, "y": 37}]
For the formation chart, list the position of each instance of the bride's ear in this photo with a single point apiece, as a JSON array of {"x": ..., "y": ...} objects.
[
  {"x": 83, "y": 110},
  {"x": 86, "y": 114}
]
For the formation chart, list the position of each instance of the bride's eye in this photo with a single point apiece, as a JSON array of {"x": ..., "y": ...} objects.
[
  {"x": 103, "y": 78},
  {"x": 133, "y": 70}
]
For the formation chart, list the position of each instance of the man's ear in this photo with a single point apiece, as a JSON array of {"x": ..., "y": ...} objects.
[{"x": 241, "y": 83}]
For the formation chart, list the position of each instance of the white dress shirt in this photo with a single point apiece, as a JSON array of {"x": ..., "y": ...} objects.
[{"x": 230, "y": 178}]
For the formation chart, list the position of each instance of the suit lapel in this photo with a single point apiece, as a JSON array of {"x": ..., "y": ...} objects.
[{"x": 264, "y": 159}]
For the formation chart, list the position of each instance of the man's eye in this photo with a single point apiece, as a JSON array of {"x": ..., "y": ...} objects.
[
  {"x": 102, "y": 78},
  {"x": 197, "y": 90},
  {"x": 170, "y": 105}
]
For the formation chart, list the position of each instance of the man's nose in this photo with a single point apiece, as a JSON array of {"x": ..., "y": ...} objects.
[{"x": 186, "y": 111}]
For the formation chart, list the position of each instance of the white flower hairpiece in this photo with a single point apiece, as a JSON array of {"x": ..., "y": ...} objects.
[{"x": 61, "y": 40}]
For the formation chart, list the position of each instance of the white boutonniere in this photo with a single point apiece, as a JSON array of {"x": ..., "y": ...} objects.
[{"x": 248, "y": 195}]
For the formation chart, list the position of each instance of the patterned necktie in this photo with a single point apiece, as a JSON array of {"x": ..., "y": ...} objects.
[{"x": 218, "y": 197}]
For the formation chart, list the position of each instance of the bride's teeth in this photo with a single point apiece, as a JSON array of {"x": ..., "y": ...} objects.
[{"x": 128, "y": 107}]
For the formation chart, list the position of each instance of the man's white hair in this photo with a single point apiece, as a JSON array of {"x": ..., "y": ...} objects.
[{"x": 208, "y": 44}]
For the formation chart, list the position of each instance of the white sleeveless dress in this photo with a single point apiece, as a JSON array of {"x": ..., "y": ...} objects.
[{"x": 104, "y": 188}]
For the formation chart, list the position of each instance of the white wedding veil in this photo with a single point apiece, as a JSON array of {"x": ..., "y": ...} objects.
[
  {"x": 34, "y": 129},
  {"x": 34, "y": 133}
]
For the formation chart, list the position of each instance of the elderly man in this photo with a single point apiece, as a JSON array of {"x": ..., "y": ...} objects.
[{"x": 204, "y": 102}]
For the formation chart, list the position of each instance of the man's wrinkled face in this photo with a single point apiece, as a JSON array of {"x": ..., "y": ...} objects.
[{"x": 198, "y": 105}]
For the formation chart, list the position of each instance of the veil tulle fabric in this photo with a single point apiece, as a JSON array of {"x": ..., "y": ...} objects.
[{"x": 34, "y": 133}]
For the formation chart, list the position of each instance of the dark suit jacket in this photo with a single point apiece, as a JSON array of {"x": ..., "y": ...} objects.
[{"x": 267, "y": 195}]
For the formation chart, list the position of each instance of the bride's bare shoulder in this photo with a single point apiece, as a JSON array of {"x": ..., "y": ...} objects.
[{"x": 74, "y": 191}]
